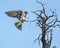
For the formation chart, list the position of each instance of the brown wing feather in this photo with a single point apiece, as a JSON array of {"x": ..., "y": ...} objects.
[{"x": 12, "y": 13}]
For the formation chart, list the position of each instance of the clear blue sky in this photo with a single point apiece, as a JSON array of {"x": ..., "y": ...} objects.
[{"x": 11, "y": 37}]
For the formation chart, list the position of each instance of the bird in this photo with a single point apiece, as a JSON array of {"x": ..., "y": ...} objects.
[{"x": 20, "y": 15}]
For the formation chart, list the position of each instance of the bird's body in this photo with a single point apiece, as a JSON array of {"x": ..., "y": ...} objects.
[{"x": 21, "y": 15}]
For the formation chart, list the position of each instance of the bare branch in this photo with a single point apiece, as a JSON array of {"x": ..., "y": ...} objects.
[
  {"x": 48, "y": 17},
  {"x": 58, "y": 25},
  {"x": 30, "y": 20},
  {"x": 50, "y": 22},
  {"x": 51, "y": 34},
  {"x": 53, "y": 14},
  {"x": 40, "y": 3},
  {"x": 43, "y": 8},
  {"x": 49, "y": 26},
  {"x": 54, "y": 23},
  {"x": 37, "y": 11},
  {"x": 54, "y": 47},
  {"x": 39, "y": 25},
  {"x": 49, "y": 31},
  {"x": 38, "y": 39},
  {"x": 38, "y": 14},
  {"x": 48, "y": 44}
]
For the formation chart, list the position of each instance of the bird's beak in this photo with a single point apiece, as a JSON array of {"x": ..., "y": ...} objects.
[{"x": 6, "y": 12}]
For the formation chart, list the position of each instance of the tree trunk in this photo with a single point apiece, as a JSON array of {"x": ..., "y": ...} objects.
[{"x": 43, "y": 33}]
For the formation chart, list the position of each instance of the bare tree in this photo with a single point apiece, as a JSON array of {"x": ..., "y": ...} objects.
[{"x": 46, "y": 23}]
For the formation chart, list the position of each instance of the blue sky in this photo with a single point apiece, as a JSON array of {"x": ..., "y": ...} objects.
[{"x": 11, "y": 37}]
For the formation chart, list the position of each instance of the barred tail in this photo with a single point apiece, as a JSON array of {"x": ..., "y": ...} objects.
[{"x": 19, "y": 25}]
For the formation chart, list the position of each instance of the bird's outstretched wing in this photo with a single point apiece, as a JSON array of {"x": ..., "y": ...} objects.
[{"x": 13, "y": 13}]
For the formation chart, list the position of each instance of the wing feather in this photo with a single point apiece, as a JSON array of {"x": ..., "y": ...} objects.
[{"x": 12, "y": 13}]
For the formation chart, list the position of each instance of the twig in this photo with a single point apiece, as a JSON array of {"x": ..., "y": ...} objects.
[{"x": 38, "y": 39}]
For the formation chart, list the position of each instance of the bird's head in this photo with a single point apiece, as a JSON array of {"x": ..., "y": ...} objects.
[{"x": 26, "y": 12}]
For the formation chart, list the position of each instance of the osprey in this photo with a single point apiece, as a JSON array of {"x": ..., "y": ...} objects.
[{"x": 20, "y": 15}]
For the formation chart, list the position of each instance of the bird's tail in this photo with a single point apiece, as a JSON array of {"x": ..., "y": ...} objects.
[{"x": 19, "y": 25}]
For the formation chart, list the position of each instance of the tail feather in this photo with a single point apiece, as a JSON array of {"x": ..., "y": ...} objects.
[{"x": 18, "y": 25}]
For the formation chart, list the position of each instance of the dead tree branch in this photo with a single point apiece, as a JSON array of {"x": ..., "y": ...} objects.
[{"x": 38, "y": 39}]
